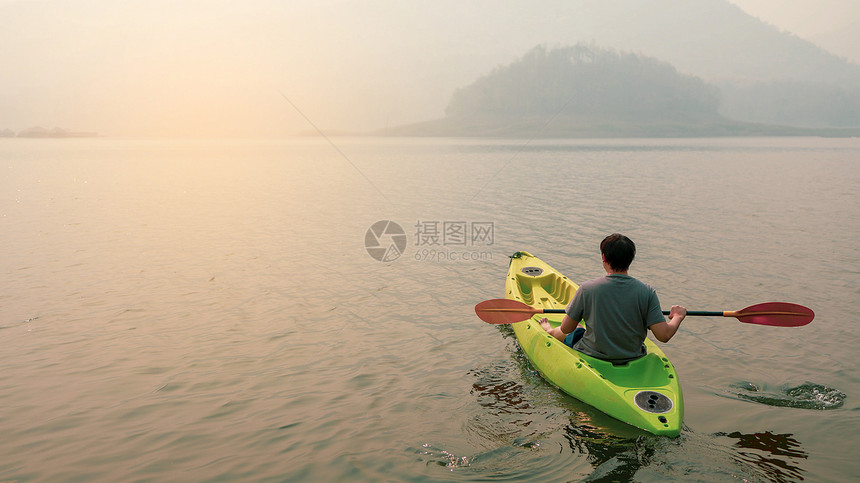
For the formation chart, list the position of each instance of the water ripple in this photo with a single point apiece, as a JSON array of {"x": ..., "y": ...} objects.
[{"x": 805, "y": 396}]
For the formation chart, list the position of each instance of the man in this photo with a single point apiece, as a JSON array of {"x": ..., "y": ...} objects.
[{"x": 617, "y": 310}]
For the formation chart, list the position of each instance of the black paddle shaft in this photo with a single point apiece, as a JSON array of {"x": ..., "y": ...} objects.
[{"x": 696, "y": 313}]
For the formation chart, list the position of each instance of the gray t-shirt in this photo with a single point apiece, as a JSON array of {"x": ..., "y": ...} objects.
[{"x": 617, "y": 310}]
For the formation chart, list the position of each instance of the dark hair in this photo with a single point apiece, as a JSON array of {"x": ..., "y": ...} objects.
[{"x": 618, "y": 250}]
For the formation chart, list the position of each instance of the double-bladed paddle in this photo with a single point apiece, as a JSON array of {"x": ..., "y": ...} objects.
[{"x": 778, "y": 314}]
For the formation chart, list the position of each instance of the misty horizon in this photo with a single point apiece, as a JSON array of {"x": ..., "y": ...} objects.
[{"x": 158, "y": 69}]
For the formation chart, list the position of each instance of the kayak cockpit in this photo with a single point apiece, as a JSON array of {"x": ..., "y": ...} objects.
[{"x": 648, "y": 371}]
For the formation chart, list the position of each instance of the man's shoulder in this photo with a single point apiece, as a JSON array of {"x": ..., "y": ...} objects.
[
  {"x": 594, "y": 282},
  {"x": 641, "y": 285}
]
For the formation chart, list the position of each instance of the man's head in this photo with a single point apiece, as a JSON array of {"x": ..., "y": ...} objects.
[{"x": 618, "y": 251}]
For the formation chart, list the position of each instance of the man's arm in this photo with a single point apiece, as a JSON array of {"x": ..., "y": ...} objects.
[
  {"x": 664, "y": 331},
  {"x": 567, "y": 326}
]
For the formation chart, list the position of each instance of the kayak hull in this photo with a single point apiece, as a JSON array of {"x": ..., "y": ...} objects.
[{"x": 644, "y": 393}]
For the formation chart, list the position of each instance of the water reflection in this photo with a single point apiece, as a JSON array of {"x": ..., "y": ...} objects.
[
  {"x": 775, "y": 455},
  {"x": 613, "y": 457},
  {"x": 500, "y": 396},
  {"x": 765, "y": 455},
  {"x": 507, "y": 411}
]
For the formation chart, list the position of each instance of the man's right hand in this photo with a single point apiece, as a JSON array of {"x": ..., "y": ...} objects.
[{"x": 677, "y": 310}]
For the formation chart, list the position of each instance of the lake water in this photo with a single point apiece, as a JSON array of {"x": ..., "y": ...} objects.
[{"x": 175, "y": 310}]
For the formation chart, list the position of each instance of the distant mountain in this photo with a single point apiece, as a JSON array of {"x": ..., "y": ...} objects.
[
  {"x": 57, "y": 132},
  {"x": 586, "y": 82},
  {"x": 796, "y": 103},
  {"x": 711, "y": 39},
  {"x": 764, "y": 74},
  {"x": 588, "y": 91}
]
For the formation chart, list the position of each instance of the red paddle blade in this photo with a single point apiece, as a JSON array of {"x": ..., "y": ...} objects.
[
  {"x": 504, "y": 311},
  {"x": 781, "y": 314}
]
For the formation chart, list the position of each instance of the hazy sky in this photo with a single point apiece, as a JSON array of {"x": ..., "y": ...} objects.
[
  {"x": 806, "y": 18},
  {"x": 194, "y": 67}
]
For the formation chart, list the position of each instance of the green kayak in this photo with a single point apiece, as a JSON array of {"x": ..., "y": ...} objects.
[{"x": 644, "y": 392}]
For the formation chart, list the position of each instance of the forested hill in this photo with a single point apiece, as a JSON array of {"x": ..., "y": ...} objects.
[
  {"x": 581, "y": 91},
  {"x": 588, "y": 91},
  {"x": 585, "y": 82}
]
